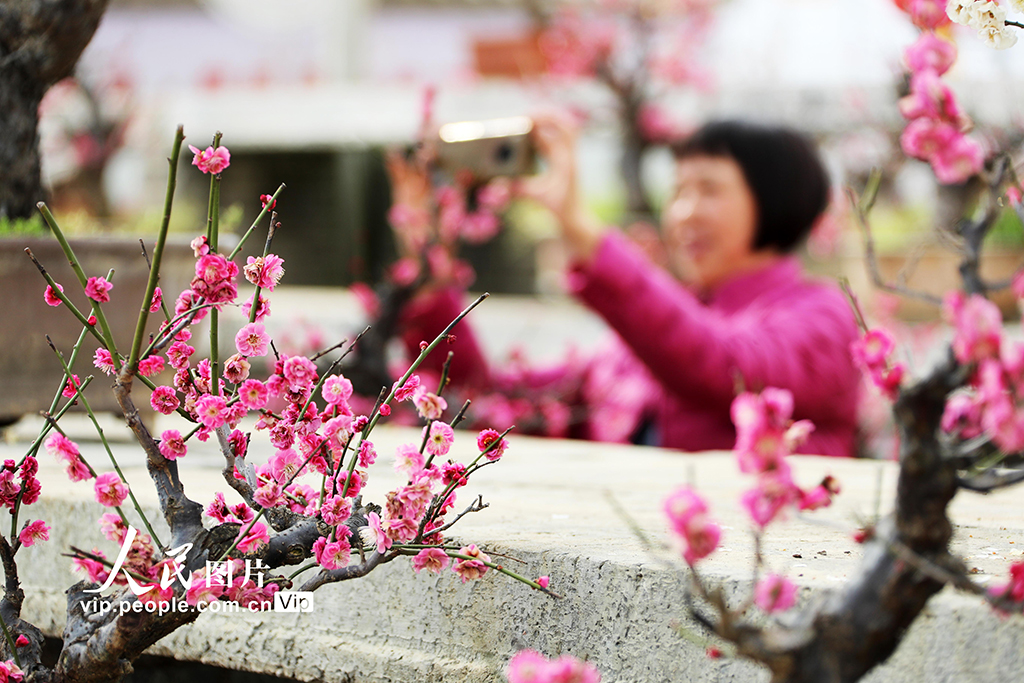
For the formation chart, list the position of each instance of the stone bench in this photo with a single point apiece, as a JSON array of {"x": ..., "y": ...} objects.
[{"x": 550, "y": 508}]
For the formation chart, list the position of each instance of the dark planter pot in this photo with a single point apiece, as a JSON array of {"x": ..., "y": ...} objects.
[{"x": 29, "y": 371}]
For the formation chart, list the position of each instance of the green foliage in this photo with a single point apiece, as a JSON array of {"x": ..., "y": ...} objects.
[{"x": 21, "y": 227}]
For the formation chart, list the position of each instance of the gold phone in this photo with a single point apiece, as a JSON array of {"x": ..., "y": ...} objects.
[{"x": 487, "y": 149}]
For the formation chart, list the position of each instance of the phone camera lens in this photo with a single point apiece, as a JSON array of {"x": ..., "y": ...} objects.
[{"x": 503, "y": 153}]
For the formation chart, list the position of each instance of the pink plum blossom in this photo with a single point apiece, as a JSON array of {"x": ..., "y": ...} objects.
[
  {"x": 336, "y": 390},
  {"x": 110, "y": 490},
  {"x": 252, "y": 340},
  {"x": 253, "y": 394},
  {"x": 439, "y": 442},
  {"x": 264, "y": 271},
  {"x": 35, "y": 530},
  {"x": 406, "y": 390},
  {"x": 336, "y": 510},
  {"x": 491, "y": 439},
  {"x": 101, "y": 359},
  {"x": 373, "y": 533},
  {"x": 408, "y": 460},
  {"x": 300, "y": 372},
  {"x": 256, "y": 538},
  {"x": 178, "y": 355},
  {"x": 687, "y": 513},
  {"x": 430, "y": 406},
  {"x": 332, "y": 555},
  {"x": 172, "y": 444},
  {"x": 432, "y": 559},
  {"x": 50, "y": 297},
  {"x": 528, "y": 666},
  {"x": 152, "y": 365},
  {"x": 164, "y": 400},
  {"x": 959, "y": 160},
  {"x": 211, "y": 160},
  {"x": 210, "y": 410},
  {"x": 98, "y": 289},
  {"x": 978, "y": 324},
  {"x": 930, "y": 52},
  {"x": 775, "y": 593},
  {"x": 71, "y": 387},
  {"x": 157, "y": 300},
  {"x": 473, "y": 568}
]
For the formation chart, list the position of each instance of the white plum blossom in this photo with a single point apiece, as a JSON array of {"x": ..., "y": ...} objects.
[{"x": 987, "y": 18}]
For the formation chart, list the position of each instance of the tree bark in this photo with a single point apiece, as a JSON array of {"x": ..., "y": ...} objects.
[{"x": 40, "y": 43}]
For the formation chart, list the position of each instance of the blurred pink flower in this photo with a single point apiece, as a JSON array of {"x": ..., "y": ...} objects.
[{"x": 775, "y": 593}]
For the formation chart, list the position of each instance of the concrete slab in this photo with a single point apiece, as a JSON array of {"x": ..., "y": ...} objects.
[{"x": 551, "y": 508}]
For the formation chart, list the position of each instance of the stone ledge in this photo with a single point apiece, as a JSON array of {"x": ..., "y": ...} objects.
[{"x": 549, "y": 509}]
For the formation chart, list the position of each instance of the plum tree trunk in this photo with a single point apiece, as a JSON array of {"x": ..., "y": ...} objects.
[{"x": 40, "y": 42}]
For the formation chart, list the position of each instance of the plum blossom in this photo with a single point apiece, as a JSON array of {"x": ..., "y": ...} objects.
[
  {"x": 211, "y": 160},
  {"x": 210, "y": 410},
  {"x": 406, "y": 390},
  {"x": 336, "y": 510},
  {"x": 473, "y": 568},
  {"x": 491, "y": 439},
  {"x": 110, "y": 490},
  {"x": 236, "y": 369},
  {"x": 430, "y": 406},
  {"x": 432, "y": 559},
  {"x": 687, "y": 513},
  {"x": 775, "y": 593},
  {"x": 252, "y": 541},
  {"x": 35, "y": 530},
  {"x": 50, "y": 297},
  {"x": 152, "y": 365},
  {"x": 172, "y": 444},
  {"x": 332, "y": 555},
  {"x": 98, "y": 289},
  {"x": 930, "y": 52},
  {"x": 299, "y": 371},
  {"x": 71, "y": 387},
  {"x": 164, "y": 400},
  {"x": 101, "y": 359},
  {"x": 252, "y": 340},
  {"x": 439, "y": 442},
  {"x": 978, "y": 324},
  {"x": 408, "y": 460},
  {"x": 214, "y": 280},
  {"x": 253, "y": 394},
  {"x": 264, "y": 271},
  {"x": 528, "y": 666},
  {"x": 337, "y": 390},
  {"x": 178, "y": 355},
  {"x": 373, "y": 533}
]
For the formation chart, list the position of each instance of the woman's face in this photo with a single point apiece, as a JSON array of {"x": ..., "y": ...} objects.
[{"x": 711, "y": 222}]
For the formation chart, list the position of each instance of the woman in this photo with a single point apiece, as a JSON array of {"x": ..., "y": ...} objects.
[{"x": 746, "y": 195}]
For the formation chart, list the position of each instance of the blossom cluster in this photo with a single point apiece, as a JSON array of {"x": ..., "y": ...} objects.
[
  {"x": 993, "y": 400},
  {"x": 937, "y": 124},
  {"x": 765, "y": 436},
  {"x": 986, "y": 17},
  {"x": 873, "y": 354},
  {"x": 310, "y": 421}
]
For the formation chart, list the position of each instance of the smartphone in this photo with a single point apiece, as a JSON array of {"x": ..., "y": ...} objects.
[{"x": 487, "y": 149}]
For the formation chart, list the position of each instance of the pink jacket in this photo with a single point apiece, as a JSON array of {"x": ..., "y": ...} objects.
[{"x": 769, "y": 328}]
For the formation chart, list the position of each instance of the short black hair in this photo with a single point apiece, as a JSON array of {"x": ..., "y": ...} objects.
[{"x": 782, "y": 168}]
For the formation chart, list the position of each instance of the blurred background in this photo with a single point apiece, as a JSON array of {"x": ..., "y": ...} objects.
[
  {"x": 312, "y": 93},
  {"x": 309, "y": 93}
]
